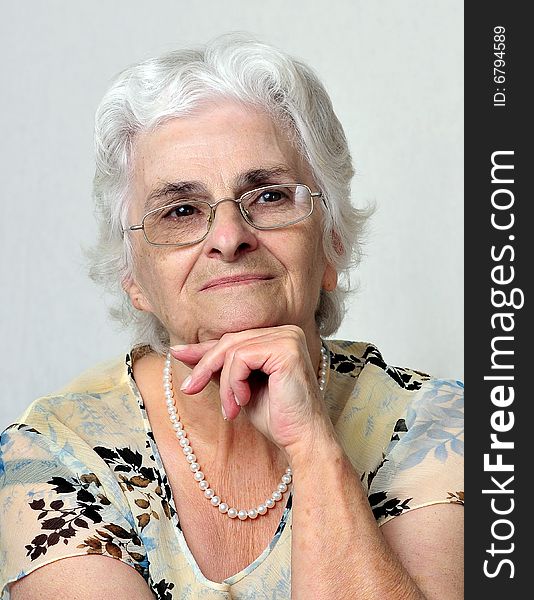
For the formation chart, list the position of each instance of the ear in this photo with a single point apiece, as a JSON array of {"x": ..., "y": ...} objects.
[
  {"x": 329, "y": 282},
  {"x": 137, "y": 296}
]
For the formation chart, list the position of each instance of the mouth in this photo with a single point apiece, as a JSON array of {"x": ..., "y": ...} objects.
[{"x": 233, "y": 280}]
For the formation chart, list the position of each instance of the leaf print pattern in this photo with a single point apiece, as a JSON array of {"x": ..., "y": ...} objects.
[
  {"x": 346, "y": 363},
  {"x": 400, "y": 428},
  {"x": 351, "y": 364},
  {"x": 162, "y": 589},
  {"x": 22, "y": 427},
  {"x": 382, "y": 507},
  {"x": 367, "y": 478},
  {"x": 117, "y": 542},
  {"x": 146, "y": 482},
  {"x": 405, "y": 378},
  {"x": 456, "y": 497},
  {"x": 66, "y": 518},
  {"x": 435, "y": 423},
  {"x": 63, "y": 521}
]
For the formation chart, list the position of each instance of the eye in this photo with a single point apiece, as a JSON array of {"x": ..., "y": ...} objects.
[
  {"x": 180, "y": 211},
  {"x": 269, "y": 196}
]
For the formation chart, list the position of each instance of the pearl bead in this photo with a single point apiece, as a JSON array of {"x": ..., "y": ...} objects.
[{"x": 185, "y": 444}]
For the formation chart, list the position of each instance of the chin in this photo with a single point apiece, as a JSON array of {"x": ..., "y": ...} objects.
[{"x": 232, "y": 319}]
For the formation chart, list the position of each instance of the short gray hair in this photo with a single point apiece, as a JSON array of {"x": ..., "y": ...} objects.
[{"x": 238, "y": 67}]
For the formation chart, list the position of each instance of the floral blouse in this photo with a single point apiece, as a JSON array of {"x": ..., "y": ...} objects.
[{"x": 80, "y": 472}]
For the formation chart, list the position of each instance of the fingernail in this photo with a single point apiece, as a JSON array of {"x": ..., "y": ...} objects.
[
  {"x": 186, "y": 383},
  {"x": 224, "y": 413},
  {"x": 236, "y": 400},
  {"x": 178, "y": 347}
]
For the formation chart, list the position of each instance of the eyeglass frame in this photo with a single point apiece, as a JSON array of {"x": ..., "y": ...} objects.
[{"x": 213, "y": 207}]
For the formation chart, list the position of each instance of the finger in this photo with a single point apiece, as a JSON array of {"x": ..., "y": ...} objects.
[
  {"x": 192, "y": 353},
  {"x": 214, "y": 355},
  {"x": 229, "y": 404},
  {"x": 245, "y": 361},
  {"x": 203, "y": 372}
]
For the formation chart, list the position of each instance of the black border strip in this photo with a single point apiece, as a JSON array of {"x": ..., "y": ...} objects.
[{"x": 497, "y": 124}]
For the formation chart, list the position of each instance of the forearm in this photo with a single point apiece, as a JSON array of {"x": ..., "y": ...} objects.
[{"x": 337, "y": 548}]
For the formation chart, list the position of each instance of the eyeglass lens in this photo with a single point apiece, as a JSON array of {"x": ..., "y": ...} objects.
[{"x": 188, "y": 220}]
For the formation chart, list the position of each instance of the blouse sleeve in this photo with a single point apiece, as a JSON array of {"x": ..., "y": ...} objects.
[
  {"x": 56, "y": 502},
  {"x": 423, "y": 463}
]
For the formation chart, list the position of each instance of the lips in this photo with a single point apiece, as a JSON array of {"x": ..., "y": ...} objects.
[{"x": 235, "y": 280}]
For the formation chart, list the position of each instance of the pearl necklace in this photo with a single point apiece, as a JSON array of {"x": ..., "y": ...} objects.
[{"x": 198, "y": 475}]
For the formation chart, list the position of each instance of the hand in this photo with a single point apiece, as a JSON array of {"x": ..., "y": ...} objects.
[{"x": 268, "y": 373}]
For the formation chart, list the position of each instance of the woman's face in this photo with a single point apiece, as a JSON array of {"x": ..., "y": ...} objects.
[{"x": 222, "y": 148}]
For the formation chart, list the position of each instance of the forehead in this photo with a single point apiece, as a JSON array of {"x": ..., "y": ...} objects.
[{"x": 215, "y": 146}]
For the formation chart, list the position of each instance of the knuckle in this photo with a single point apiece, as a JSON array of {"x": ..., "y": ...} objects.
[
  {"x": 237, "y": 353},
  {"x": 227, "y": 338},
  {"x": 295, "y": 334}
]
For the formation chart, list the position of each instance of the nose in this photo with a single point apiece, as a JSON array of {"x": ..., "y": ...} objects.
[{"x": 230, "y": 236}]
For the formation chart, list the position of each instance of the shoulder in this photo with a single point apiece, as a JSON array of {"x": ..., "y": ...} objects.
[
  {"x": 98, "y": 395},
  {"x": 401, "y": 428},
  {"x": 66, "y": 472},
  {"x": 350, "y": 358},
  {"x": 68, "y": 428}
]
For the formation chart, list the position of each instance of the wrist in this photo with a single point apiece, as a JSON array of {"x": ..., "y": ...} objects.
[{"x": 320, "y": 442}]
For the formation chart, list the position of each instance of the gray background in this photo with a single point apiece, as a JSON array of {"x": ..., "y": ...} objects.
[{"x": 395, "y": 74}]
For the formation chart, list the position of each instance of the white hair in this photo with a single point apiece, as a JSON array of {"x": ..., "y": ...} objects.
[{"x": 232, "y": 66}]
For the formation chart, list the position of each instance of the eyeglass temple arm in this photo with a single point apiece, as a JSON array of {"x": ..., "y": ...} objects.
[
  {"x": 319, "y": 195},
  {"x": 132, "y": 228}
]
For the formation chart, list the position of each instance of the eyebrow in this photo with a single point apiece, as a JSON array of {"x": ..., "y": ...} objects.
[{"x": 250, "y": 179}]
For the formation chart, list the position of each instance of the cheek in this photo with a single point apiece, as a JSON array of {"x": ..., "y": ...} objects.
[
  {"x": 162, "y": 275},
  {"x": 152, "y": 275},
  {"x": 307, "y": 262}
]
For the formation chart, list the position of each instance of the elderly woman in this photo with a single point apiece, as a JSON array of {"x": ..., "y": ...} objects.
[{"x": 236, "y": 453}]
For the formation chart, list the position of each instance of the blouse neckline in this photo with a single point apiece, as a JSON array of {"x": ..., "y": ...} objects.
[{"x": 149, "y": 435}]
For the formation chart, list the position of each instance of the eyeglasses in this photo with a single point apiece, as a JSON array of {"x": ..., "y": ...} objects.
[{"x": 188, "y": 221}]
